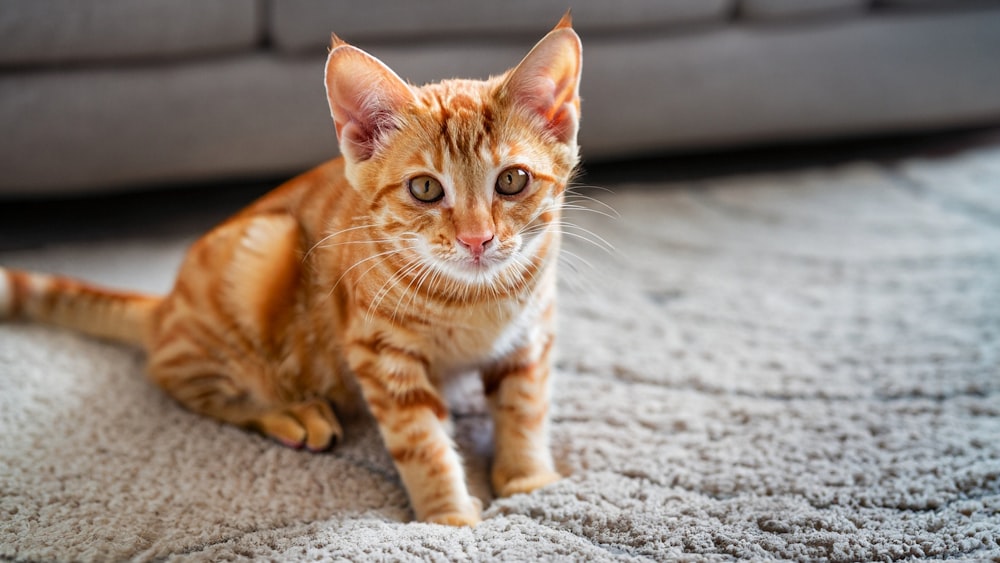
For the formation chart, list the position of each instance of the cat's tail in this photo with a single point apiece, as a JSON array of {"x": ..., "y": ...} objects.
[{"x": 76, "y": 305}]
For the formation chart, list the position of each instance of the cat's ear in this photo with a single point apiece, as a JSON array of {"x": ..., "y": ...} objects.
[
  {"x": 365, "y": 99},
  {"x": 547, "y": 81}
]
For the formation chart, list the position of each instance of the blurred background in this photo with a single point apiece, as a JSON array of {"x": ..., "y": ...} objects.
[{"x": 147, "y": 100}]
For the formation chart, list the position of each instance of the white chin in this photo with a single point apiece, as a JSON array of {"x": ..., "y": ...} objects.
[{"x": 470, "y": 270}]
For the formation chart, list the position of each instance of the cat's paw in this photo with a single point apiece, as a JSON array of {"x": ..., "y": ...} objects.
[
  {"x": 506, "y": 487},
  {"x": 455, "y": 519},
  {"x": 311, "y": 424},
  {"x": 468, "y": 517}
]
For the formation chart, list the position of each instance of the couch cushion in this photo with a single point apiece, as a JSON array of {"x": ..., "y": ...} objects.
[
  {"x": 298, "y": 25},
  {"x": 774, "y": 9},
  {"x": 61, "y": 31},
  {"x": 101, "y": 128},
  {"x": 759, "y": 84}
]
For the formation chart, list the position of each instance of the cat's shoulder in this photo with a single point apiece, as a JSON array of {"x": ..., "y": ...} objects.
[{"x": 323, "y": 180}]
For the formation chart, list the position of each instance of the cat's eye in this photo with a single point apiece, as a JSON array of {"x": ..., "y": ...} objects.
[
  {"x": 426, "y": 189},
  {"x": 512, "y": 181}
]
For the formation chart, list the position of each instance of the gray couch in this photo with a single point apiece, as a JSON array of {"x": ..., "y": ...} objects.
[{"x": 104, "y": 95}]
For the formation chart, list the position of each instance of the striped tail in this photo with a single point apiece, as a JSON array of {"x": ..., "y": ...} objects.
[{"x": 69, "y": 303}]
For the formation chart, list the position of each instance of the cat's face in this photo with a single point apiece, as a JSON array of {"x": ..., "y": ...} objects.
[
  {"x": 466, "y": 177},
  {"x": 467, "y": 184}
]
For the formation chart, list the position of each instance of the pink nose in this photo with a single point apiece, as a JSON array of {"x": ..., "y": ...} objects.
[{"x": 475, "y": 242}]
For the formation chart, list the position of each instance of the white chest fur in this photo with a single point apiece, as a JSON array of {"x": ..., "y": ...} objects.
[{"x": 468, "y": 338}]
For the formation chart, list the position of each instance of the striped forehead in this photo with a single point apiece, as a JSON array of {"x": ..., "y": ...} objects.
[{"x": 464, "y": 120}]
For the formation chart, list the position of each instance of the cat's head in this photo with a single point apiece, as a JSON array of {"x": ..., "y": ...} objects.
[{"x": 468, "y": 174}]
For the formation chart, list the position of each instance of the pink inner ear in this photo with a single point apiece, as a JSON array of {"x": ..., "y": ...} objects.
[
  {"x": 563, "y": 116},
  {"x": 357, "y": 123},
  {"x": 547, "y": 81},
  {"x": 353, "y": 134},
  {"x": 364, "y": 96}
]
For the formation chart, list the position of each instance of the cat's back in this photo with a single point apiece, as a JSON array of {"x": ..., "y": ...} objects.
[
  {"x": 307, "y": 197},
  {"x": 278, "y": 227}
]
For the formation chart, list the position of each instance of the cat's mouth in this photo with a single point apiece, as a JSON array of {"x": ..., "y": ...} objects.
[
  {"x": 482, "y": 263},
  {"x": 475, "y": 268}
]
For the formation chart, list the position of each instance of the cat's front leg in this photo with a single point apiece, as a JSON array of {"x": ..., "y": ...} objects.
[
  {"x": 411, "y": 417},
  {"x": 517, "y": 390}
]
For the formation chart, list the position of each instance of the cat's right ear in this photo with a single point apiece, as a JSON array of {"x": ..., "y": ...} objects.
[{"x": 365, "y": 99}]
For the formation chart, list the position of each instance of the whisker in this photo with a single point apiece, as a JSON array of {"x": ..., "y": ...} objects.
[
  {"x": 582, "y": 233},
  {"x": 573, "y": 188},
  {"x": 394, "y": 280},
  {"x": 421, "y": 269},
  {"x": 413, "y": 290},
  {"x": 387, "y": 286},
  {"x": 580, "y": 228},
  {"x": 338, "y": 233},
  {"x": 573, "y": 206},
  {"x": 366, "y": 241},
  {"x": 569, "y": 254},
  {"x": 384, "y": 255},
  {"x": 575, "y": 199}
]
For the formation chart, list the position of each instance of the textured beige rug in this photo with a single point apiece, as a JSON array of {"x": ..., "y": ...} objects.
[{"x": 800, "y": 366}]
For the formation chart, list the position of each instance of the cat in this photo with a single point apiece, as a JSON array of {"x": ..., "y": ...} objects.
[{"x": 428, "y": 249}]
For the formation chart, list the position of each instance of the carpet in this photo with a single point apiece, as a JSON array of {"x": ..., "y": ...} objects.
[{"x": 801, "y": 365}]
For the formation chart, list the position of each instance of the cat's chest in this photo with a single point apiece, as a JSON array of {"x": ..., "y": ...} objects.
[{"x": 472, "y": 336}]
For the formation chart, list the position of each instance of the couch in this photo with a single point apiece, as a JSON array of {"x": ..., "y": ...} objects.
[{"x": 114, "y": 95}]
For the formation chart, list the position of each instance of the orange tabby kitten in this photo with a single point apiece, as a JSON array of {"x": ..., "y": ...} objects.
[{"x": 427, "y": 250}]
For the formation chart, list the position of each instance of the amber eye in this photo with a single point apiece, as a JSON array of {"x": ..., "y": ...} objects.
[
  {"x": 512, "y": 181},
  {"x": 426, "y": 189}
]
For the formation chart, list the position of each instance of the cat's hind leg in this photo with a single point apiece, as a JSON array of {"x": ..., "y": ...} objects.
[
  {"x": 222, "y": 341},
  {"x": 310, "y": 424}
]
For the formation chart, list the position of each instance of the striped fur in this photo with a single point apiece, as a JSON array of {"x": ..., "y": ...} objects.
[
  {"x": 76, "y": 305},
  {"x": 340, "y": 288}
]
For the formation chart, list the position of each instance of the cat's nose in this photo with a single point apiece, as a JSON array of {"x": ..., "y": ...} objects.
[{"x": 476, "y": 242}]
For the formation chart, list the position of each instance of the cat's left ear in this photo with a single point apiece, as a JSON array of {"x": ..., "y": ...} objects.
[{"x": 547, "y": 81}]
